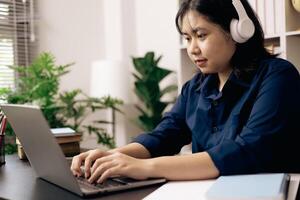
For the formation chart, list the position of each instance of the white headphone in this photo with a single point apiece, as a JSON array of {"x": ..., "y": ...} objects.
[{"x": 242, "y": 29}]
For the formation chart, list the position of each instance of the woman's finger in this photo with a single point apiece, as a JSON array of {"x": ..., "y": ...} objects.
[
  {"x": 100, "y": 170},
  {"x": 99, "y": 161},
  {"x": 93, "y": 155},
  {"x": 113, "y": 171},
  {"x": 76, "y": 163}
]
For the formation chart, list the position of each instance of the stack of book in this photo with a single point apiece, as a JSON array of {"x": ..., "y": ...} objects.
[
  {"x": 67, "y": 139},
  {"x": 270, "y": 15}
]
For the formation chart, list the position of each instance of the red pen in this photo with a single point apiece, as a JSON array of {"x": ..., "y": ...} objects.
[
  {"x": 3, "y": 125},
  {"x": 1, "y": 117},
  {"x": 2, "y": 147}
]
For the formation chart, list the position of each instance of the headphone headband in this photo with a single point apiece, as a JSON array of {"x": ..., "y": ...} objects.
[{"x": 240, "y": 9}]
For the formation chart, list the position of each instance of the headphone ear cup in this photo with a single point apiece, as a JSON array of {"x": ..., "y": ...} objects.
[
  {"x": 234, "y": 31},
  {"x": 241, "y": 29},
  {"x": 246, "y": 28}
]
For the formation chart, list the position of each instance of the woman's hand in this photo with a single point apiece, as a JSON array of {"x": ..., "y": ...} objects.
[
  {"x": 117, "y": 164},
  {"x": 86, "y": 159}
]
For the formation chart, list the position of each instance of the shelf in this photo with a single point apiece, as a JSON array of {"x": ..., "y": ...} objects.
[
  {"x": 293, "y": 33},
  {"x": 292, "y": 17},
  {"x": 292, "y": 50},
  {"x": 275, "y": 41},
  {"x": 272, "y": 36}
]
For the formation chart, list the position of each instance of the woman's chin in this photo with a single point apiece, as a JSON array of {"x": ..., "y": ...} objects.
[{"x": 205, "y": 70}]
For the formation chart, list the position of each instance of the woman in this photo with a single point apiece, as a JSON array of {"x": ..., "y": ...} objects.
[{"x": 240, "y": 111}]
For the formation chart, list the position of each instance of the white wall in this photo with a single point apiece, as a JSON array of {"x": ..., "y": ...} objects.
[
  {"x": 72, "y": 31},
  {"x": 84, "y": 31},
  {"x": 156, "y": 31}
]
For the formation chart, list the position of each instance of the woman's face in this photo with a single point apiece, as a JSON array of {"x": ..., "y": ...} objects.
[{"x": 208, "y": 46}]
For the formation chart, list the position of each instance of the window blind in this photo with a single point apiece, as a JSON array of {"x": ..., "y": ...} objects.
[{"x": 17, "y": 38}]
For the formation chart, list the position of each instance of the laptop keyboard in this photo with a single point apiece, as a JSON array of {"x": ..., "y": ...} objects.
[{"x": 109, "y": 183}]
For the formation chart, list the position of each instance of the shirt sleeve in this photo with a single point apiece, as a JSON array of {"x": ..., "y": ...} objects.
[
  {"x": 269, "y": 130},
  {"x": 172, "y": 133}
]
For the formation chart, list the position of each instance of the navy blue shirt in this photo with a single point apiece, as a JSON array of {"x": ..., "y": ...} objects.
[{"x": 250, "y": 126}]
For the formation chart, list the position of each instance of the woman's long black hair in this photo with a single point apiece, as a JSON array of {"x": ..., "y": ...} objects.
[{"x": 221, "y": 12}]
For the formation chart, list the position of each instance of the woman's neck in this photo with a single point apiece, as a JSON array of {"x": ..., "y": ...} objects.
[{"x": 223, "y": 77}]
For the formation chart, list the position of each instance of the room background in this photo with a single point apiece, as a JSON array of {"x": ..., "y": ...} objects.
[{"x": 87, "y": 31}]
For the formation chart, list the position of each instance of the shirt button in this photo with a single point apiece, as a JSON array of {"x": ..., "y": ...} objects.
[
  {"x": 215, "y": 129},
  {"x": 215, "y": 103}
]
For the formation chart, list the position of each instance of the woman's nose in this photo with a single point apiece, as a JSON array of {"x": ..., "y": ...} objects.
[{"x": 194, "y": 47}]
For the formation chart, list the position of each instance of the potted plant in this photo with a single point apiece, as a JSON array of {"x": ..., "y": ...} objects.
[
  {"x": 38, "y": 84},
  {"x": 148, "y": 76}
]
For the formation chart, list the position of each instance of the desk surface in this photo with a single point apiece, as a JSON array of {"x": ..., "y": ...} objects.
[{"x": 18, "y": 182}]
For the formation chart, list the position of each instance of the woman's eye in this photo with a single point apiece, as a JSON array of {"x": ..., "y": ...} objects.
[
  {"x": 201, "y": 36},
  {"x": 187, "y": 39}
]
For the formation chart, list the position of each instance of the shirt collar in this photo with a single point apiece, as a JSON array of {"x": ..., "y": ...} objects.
[
  {"x": 238, "y": 81},
  {"x": 208, "y": 84},
  {"x": 207, "y": 81},
  {"x": 203, "y": 81}
]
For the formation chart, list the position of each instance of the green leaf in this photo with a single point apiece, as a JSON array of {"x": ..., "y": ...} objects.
[
  {"x": 136, "y": 77},
  {"x": 146, "y": 123},
  {"x": 158, "y": 108},
  {"x": 157, "y": 60},
  {"x": 141, "y": 110},
  {"x": 148, "y": 91},
  {"x": 149, "y": 58},
  {"x": 168, "y": 89},
  {"x": 158, "y": 74},
  {"x": 139, "y": 66}
]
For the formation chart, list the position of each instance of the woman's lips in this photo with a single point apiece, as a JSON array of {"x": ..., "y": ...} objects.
[{"x": 200, "y": 62}]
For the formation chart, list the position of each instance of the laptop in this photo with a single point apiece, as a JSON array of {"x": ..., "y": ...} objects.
[
  {"x": 48, "y": 160},
  {"x": 298, "y": 192}
]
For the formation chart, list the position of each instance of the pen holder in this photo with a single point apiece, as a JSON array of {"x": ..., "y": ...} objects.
[{"x": 2, "y": 149}]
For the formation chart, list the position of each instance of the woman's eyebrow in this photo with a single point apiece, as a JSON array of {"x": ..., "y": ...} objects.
[{"x": 194, "y": 30}]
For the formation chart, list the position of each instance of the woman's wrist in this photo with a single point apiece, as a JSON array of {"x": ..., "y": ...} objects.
[
  {"x": 135, "y": 150},
  {"x": 149, "y": 168}
]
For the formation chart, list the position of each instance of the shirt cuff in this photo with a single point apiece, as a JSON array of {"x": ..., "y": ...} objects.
[
  {"x": 231, "y": 157},
  {"x": 151, "y": 143}
]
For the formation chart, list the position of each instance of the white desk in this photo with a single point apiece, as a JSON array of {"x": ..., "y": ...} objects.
[{"x": 178, "y": 190}]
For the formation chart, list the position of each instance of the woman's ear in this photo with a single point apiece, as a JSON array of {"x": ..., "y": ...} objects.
[{"x": 229, "y": 36}]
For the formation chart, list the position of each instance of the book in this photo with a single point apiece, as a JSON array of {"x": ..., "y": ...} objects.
[
  {"x": 71, "y": 148},
  {"x": 260, "y": 6},
  {"x": 279, "y": 17},
  {"x": 250, "y": 187},
  {"x": 67, "y": 138},
  {"x": 63, "y": 138},
  {"x": 21, "y": 152},
  {"x": 59, "y": 132},
  {"x": 270, "y": 17}
]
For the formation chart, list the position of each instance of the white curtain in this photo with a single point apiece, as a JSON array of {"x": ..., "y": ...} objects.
[{"x": 17, "y": 37}]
